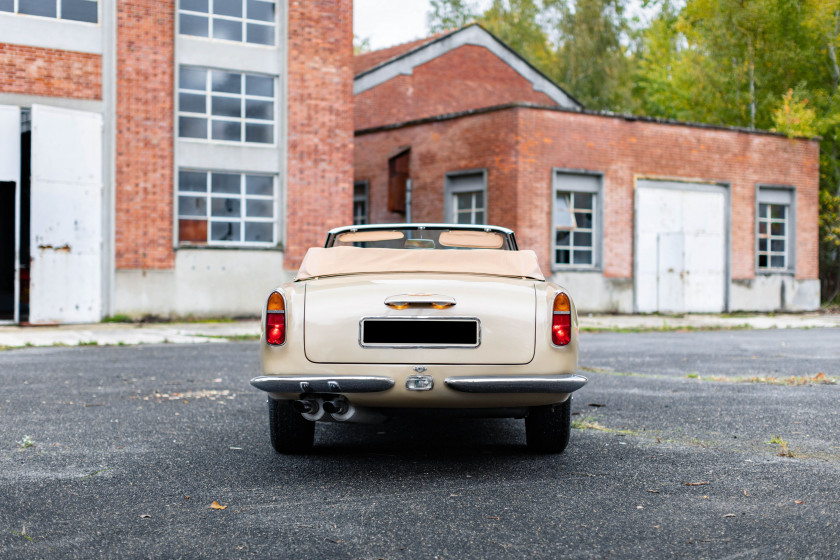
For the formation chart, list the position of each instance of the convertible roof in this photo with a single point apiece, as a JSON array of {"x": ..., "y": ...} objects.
[{"x": 338, "y": 261}]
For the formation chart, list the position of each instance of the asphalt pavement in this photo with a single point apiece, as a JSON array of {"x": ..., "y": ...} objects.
[{"x": 676, "y": 452}]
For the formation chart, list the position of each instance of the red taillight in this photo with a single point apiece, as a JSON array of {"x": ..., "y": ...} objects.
[
  {"x": 561, "y": 320},
  {"x": 275, "y": 320}
]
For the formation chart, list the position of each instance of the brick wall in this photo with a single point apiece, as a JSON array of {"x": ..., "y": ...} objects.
[
  {"x": 465, "y": 78},
  {"x": 519, "y": 148},
  {"x": 319, "y": 188},
  {"x": 50, "y": 72},
  {"x": 144, "y": 148}
]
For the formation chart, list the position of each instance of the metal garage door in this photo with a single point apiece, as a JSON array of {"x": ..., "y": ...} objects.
[
  {"x": 681, "y": 247},
  {"x": 66, "y": 226}
]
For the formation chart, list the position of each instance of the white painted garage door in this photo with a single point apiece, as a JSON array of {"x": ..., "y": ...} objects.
[
  {"x": 66, "y": 224},
  {"x": 681, "y": 247}
]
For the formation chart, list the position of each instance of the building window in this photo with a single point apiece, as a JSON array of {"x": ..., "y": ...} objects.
[
  {"x": 360, "y": 203},
  {"x": 576, "y": 220},
  {"x": 243, "y": 21},
  {"x": 466, "y": 198},
  {"x": 225, "y": 106},
  {"x": 775, "y": 230},
  {"x": 76, "y": 10},
  {"x": 220, "y": 208}
]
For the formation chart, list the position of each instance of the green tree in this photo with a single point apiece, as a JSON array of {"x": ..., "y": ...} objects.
[{"x": 446, "y": 15}]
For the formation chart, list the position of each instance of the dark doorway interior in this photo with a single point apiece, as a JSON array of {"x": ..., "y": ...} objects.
[
  {"x": 7, "y": 251},
  {"x": 25, "y": 172}
]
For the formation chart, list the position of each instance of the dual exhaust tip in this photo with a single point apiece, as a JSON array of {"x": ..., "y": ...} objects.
[
  {"x": 312, "y": 406},
  {"x": 337, "y": 410}
]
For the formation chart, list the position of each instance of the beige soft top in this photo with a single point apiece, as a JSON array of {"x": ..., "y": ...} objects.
[{"x": 337, "y": 261}]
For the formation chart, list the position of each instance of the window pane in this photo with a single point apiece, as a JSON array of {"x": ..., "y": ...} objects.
[
  {"x": 479, "y": 217},
  {"x": 259, "y": 208},
  {"x": 463, "y": 201},
  {"x": 192, "y": 103},
  {"x": 227, "y": 82},
  {"x": 583, "y": 220},
  {"x": 228, "y": 7},
  {"x": 7, "y": 5},
  {"x": 192, "y": 181},
  {"x": 762, "y": 261},
  {"x": 259, "y": 85},
  {"x": 260, "y": 34},
  {"x": 583, "y": 201},
  {"x": 226, "y": 208},
  {"x": 262, "y": 232},
  {"x": 192, "y": 78},
  {"x": 227, "y": 183},
  {"x": 563, "y": 257},
  {"x": 479, "y": 199},
  {"x": 263, "y": 133},
  {"x": 263, "y": 11},
  {"x": 197, "y": 26},
  {"x": 226, "y": 130},
  {"x": 192, "y": 206},
  {"x": 463, "y": 218},
  {"x": 226, "y": 29},
  {"x": 583, "y": 257},
  {"x": 762, "y": 227},
  {"x": 227, "y": 107},
  {"x": 359, "y": 190},
  {"x": 259, "y": 185},
  {"x": 777, "y": 211},
  {"x": 583, "y": 239},
  {"x": 190, "y": 127},
  {"x": 192, "y": 231},
  {"x": 777, "y": 245},
  {"x": 777, "y": 261},
  {"x": 777, "y": 228},
  {"x": 255, "y": 109},
  {"x": 80, "y": 10},
  {"x": 762, "y": 210},
  {"x": 563, "y": 238},
  {"x": 44, "y": 8},
  {"x": 762, "y": 244},
  {"x": 224, "y": 231},
  {"x": 194, "y": 5}
]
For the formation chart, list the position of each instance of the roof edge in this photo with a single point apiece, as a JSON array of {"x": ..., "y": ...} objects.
[{"x": 606, "y": 114}]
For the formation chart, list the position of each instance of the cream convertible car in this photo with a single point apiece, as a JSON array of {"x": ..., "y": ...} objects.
[{"x": 419, "y": 318}]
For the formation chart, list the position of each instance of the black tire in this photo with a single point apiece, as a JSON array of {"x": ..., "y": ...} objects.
[
  {"x": 547, "y": 428},
  {"x": 290, "y": 432}
]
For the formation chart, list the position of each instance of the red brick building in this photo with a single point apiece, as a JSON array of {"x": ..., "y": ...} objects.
[
  {"x": 631, "y": 214},
  {"x": 167, "y": 157}
]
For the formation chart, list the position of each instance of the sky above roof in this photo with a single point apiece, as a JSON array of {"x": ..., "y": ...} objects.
[{"x": 390, "y": 22}]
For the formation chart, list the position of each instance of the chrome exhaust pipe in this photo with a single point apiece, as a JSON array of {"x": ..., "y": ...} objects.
[
  {"x": 310, "y": 409},
  {"x": 358, "y": 415},
  {"x": 336, "y": 406}
]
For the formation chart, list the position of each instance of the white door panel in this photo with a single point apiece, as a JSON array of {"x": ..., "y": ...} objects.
[
  {"x": 680, "y": 248},
  {"x": 66, "y": 223},
  {"x": 9, "y": 143}
]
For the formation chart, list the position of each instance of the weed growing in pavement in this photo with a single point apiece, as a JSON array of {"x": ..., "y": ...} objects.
[
  {"x": 795, "y": 380},
  {"x": 22, "y": 534},
  {"x": 784, "y": 451},
  {"x": 94, "y": 473},
  {"x": 587, "y": 423},
  {"x": 118, "y": 318},
  {"x": 88, "y": 343},
  {"x": 26, "y": 442}
]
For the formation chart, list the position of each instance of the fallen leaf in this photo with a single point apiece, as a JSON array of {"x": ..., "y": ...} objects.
[
  {"x": 217, "y": 505},
  {"x": 640, "y": 507},
  {"x": 746, "y": 493},
  {"x": 186, "y": 497},
  {"x": 729, "y": 515},
  {"x": 703, "y": 483},
  {"x": 654, "y": 491},
  {"x": 798, "y": 502}
]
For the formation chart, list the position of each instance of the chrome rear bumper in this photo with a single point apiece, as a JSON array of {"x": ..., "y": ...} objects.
[
  {"x": 566, "y": 383},
  {"x": 322, "y": 383}
]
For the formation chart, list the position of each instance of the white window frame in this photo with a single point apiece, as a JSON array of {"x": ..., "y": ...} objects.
[
  {"x": 244, "y": 21},
  {"x": 243, "y": 97},
  {"x": 16, "y": 10},
  {"x": 452, "y": 190},
  {"x": 768, "y": 196},
  {"x": 243, "y": 198},
  {"x": 588, "y": 187}
]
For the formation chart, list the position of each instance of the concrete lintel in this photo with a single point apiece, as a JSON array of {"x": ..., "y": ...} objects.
[{"x": 50, "y": 33}]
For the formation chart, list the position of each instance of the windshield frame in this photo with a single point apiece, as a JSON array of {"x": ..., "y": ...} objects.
[{"x": 509, "y": 243}]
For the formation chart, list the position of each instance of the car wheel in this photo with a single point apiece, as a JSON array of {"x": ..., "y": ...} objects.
[
  {"x": 547, "y": 428},
  {"x": 290, "y": 432}
]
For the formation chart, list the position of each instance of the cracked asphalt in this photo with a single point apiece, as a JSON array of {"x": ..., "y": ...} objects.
[{"x": 133, "y": 444}]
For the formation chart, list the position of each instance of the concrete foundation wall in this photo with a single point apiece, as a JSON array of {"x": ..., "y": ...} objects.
[
  {"x": 592, "y": 292},
  {"x": 204, "y": 283},
  {"x": 774, "y": 292}
]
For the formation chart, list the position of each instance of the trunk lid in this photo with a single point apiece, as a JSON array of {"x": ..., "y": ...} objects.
[{"x": 432, "y": 319}]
